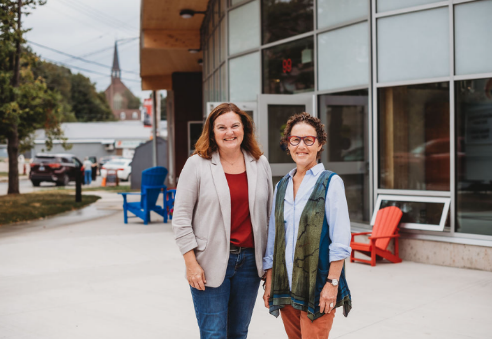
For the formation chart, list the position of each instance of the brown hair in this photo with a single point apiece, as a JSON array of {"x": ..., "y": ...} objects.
[
  {"x": 206, "y": 144},
  {"x": 307, "y": 119}
]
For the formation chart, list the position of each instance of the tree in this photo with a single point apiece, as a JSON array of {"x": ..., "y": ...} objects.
[
  {"x": 87, "y": 103},
  {"x": 57, "y": 78},
  {"x": 132, "y": 101},
  {"x": 25, "y": 102}
]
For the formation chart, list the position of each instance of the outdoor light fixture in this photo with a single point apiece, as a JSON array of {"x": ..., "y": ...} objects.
[
  {"x": 200, "y": 62},
  {"x": 189, "y": 13},
  {"x": 194, "y": 50}
]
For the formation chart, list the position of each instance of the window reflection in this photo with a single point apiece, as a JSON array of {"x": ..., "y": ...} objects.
[
  {"x": 289, "y": 68},
  {"x": 474, "y": 156},
  {"x": 282, "y": 19},
  {"x": 345, "y": 118},
  {"x": 417, "y": 212},
  {"x": 414, "y": 137},
  {"x": 277, "y": 120}
]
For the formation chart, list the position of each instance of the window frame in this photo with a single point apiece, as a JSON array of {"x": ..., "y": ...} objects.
[{"x": 416, "y": 226}]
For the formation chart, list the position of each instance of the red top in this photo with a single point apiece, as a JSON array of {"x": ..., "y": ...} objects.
[{"x": 241, "y": 227}]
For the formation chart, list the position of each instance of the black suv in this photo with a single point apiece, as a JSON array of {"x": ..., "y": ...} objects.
[{"x": 57, "y": 168}]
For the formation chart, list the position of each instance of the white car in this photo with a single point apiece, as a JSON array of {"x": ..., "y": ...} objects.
[{"x": 124, "y": 167}]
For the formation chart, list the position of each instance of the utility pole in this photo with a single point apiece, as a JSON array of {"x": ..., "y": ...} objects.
[
  {"x": 13, "y": 137},
  {"x": 154, "y": 128}
]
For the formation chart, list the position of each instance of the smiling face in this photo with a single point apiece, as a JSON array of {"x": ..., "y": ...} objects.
[
  {"x": 228, "y": 131},
  {"x": 304, "y": 156}
]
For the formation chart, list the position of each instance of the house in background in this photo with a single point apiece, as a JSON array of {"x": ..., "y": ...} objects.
[
  {"x": 99, "y": 139},
  {"x": 123, "y": 103}
]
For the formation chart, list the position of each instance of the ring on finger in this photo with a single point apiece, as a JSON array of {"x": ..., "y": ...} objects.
[{"x": 331, "y": 305}]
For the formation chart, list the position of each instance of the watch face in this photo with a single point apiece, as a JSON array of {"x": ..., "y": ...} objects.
[{"x": 334, "y": 282}]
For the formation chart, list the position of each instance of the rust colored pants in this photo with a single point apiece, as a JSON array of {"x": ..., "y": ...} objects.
[{"x": 298, "y": 326}]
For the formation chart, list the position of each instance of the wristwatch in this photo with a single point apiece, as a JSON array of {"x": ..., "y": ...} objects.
[{"x": 334, "y": 282}]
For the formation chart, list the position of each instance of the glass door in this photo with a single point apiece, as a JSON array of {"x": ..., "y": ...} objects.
[
  {"x": 345, "y": 116},
  {"x": 273, "y": 112}
]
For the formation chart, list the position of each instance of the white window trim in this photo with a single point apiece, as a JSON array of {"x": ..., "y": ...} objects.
[{"x": 415, "y": 226}]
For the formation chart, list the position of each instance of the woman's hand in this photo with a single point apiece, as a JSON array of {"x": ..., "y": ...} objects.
[
  {"x": 194, "y": 272},
  {"x": 328, "y": 298},
  {"x": 268, "y": 287}
]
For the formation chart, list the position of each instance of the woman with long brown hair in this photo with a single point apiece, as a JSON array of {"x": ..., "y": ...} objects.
[{"x": 220, "y": 222}]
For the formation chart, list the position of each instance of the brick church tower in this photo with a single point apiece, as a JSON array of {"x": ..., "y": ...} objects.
[{"x": 123, "y": 103}]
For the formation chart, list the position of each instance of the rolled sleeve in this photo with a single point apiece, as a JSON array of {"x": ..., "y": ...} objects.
[
  {"x": 186, "y": 243},
  {"x": 337, "y": 215},
  {"x": 268, "y": 258}
]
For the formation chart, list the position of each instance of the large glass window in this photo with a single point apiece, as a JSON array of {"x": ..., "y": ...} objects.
[
  {"x": 244, "y": 27},
  {"x": 414, "y": 137},
  {"x": 474, "y": 156},
  {"x": 334, "y": 12},
  {"x": 344, "y": 57},
  {"x": 413, "y": 45},
  {"x": 289, "y": 68},
  {"x": 391, "y": 5},
  {"x": 345, "y": 118},
  {"x": 286, "y": 18},
  {"x": 244, "y": 77},
  {"x": 473, "y": 43}
]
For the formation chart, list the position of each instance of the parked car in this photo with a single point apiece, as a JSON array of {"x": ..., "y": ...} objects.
[
  {"x": 57, "y": 168},
  {"x": 123, "y": 166},
  {"x": 107, "y": 158}
]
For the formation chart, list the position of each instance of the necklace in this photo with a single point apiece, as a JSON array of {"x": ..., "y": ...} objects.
[{"x": 231, "y": 163}]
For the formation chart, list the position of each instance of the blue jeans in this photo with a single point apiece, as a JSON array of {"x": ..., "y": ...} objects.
[
  {"x": 87, "y": 177},
  {"x": 225, "y": 311}
]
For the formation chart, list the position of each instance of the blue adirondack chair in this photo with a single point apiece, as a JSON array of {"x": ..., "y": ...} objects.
[
  {"x": 152, "y": 185},
  {"x": 170, "y": 196}
]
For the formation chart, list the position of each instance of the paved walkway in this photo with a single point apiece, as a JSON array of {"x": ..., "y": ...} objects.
[{"x": 103, "y": 279}]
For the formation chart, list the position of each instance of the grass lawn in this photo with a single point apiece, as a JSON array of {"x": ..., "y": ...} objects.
[
  {"x": 32, "y": 206},
  {"x": 4, "y": 174}
]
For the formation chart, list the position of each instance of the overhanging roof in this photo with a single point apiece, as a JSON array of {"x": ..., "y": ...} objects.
[{"x": 165, "y": 38}]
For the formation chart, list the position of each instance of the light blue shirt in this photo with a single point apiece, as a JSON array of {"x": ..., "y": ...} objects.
[{"x": 336, "y": 211}]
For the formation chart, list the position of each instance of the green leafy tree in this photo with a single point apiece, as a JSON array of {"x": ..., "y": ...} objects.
[
  {"x": 87, "y": 103},
  {"x": 58, "y": 78},
  {"x": 133, "y": 101},
  {"x": 25, "y": 101}
]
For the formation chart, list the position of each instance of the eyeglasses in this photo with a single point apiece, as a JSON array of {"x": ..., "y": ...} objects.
[{"x": 308, "y": 140}]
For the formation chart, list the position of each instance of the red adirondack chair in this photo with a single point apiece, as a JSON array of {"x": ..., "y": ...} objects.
[{"x": 385, "y": 228}]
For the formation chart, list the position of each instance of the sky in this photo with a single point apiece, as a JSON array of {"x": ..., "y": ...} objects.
[{"x": 81, "y": 28}]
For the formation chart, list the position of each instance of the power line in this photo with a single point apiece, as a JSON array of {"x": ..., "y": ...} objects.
[
  {"x": 75, "y": 57},
  {"x": 101, "y": 19},
  {"x": 128, "y": 40},
  {"x": 85, "y": 70},
  {"x": 95, "y": 11}
]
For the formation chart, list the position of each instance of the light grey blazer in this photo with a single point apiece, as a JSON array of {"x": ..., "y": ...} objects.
[{"x": 202, "y": 212}]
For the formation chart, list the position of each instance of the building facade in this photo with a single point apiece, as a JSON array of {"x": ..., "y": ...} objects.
[
  {"x": 123, "y": 104},
  {"x": 404, "y": 89}
]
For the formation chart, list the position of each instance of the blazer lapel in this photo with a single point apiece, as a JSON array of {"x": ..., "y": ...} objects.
[
  {"x": 252, "y": 173},
  {"x": 222, "y": 188}
]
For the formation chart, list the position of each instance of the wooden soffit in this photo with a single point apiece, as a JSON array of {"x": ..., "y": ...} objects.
[{"x": 165, "y": 39}]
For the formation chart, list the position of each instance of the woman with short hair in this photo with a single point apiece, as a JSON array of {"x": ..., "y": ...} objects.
[
  {"x": 220, "y": 222},
  {"x": 308, "y": 238}
]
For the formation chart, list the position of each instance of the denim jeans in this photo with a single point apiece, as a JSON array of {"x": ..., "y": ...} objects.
[
  {"x": 225, "y": 311},
  {"x": 87, "y": 177}
]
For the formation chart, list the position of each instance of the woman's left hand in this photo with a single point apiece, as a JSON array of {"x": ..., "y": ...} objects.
[{"x": 328, "y": 298}]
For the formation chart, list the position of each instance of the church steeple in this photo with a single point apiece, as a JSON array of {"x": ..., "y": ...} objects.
[{"x": 115, "y": 71}]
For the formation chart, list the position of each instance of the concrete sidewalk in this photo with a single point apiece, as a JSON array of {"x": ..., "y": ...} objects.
[{"x": 104, "y": 279}]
